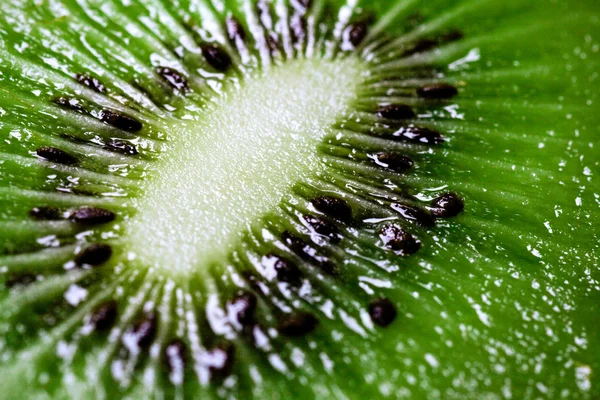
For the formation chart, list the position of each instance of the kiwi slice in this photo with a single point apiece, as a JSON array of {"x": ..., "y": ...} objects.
[{"x": 296, "y": 198}]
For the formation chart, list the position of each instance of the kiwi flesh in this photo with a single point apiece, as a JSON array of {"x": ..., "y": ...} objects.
[{"x": 299, "y": 199}]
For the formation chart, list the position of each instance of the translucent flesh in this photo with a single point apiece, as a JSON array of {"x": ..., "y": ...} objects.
[{"x": 236, "y": 160}]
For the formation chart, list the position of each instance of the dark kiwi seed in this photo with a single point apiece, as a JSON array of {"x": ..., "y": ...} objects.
[
  {"x": 95, "y": 254},
  {"x": 66, "y": 102},
  {"x": 303, "y": 3},
  {"x": 447, "y": 205},
  {"x": 382, "y": 311},
  {"x": 91, "y": 82},
  {"x": 176, "y": 355},
  {"x": 56, "y": 155},
  {"x": 298, "y": 27},
  {"x": 328, "y": 267},
  {"x": 438, "y": 91},
  {"x": 235, "y": 29},
  {"x": 297, "y": 245},
  {"x": 46, "y": 213},
  {"x": 253, "y": 280},
  {"x": 120, "y": 121},
  {"x": 242, "y": 307},
  {"x": 394, "y": 161},
  {"x": 298, "y": 324},
  {"x": 416, "y": 214},
  {"x": 421, "y": 46},
  {"x": 121, "y": 147},
  {"x": 19, "y": 279},
  {"x": 419, "y": 135},
  {"x": 219, "y": 360},
  {"x": 333, "y": 207},
  {"x": 323, "y": 228},
  {"x": 357, "y": 32},
  {"x": 216, "y": 57},
  {"x": 396, "y": 112},
  {"x": 173, "y": 78},
  {"x": 272, "y": 44},
  {"x": 395, "y": 238},
  {"x": 451, "y": 36},
  {"x": 92, "y": 216},
  {"x": 306, "y": 252},
  {"x": 104, "y": 316},
  {"x": 145, "y": 330},
  {"x": 286, "y": 270}
]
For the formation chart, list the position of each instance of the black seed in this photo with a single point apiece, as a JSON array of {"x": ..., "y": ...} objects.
[
  {"x": 241, "y": 308},
  {"x": 395, "y": 238},
  {"x": 104, "y": 317},
  {"x": 451, "y": 36},
  {"x": 323, "y": 227},
  {"x": 333, "y": 207},
  {"x": 419, "y": 135},
  {"x": 357, "y": 32},
  {"x": 298, "y": 324},
  {"x": 253, "y": 280},
  {"x": 173, "y": 78},
  {"x": 46, "y": 213},
  {"x": 56, "y": 155},
  {"x": 306, "y": 252},
  {"x": 216, "y": 57},
  {"x": 296, "y": 244},
  {"x": 66, "y": 102},
  {"x": 219, "y": 360},
  {"x": 272, "y": 44},
  {"x": 394, "y": 161},
  {"x": 91, "y": 82},
  {"x": 447, "y": 205},
  {"x": 421, "y": 46},
  {"x": 416, "y": 214},
  {"x": 145, "y": 330},
  {"x": 235, "y": 29},
  {"x": 382, "y": 312},
  {"x": 92, "y": 216},
  {"x": 95, "y": 254},
  {"x": 19, "y": 279},
  {"x": 303, "y": 3},
  {"x": 176, "y": 355},
  {"x": 121, "y": 147},
  {"x": 120, "y": 121},
  {"x": 396, "y": 112},
  {"x": 298, "y": 27},
  {"x": 438, "y": 91},
  {"x": 327, "y": 266},
  {"x": 286, "y": 270}
]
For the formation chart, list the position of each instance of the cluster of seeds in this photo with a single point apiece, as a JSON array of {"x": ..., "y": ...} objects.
[{"x": 302, "y": 254}]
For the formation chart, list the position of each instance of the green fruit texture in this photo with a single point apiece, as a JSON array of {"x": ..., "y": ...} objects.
[{"x": 280, "y": 199}]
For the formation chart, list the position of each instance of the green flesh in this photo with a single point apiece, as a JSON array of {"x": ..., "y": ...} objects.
[{"x": 501, "y": 301}]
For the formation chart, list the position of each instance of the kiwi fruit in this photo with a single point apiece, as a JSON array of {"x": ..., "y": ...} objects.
[{"x": 299, "y": 199}]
